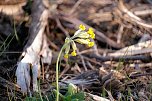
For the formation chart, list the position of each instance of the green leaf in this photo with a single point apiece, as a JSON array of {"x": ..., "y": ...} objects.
[
  {"x": 72, "y": 89},
  {"x": 80, "y": 96}
]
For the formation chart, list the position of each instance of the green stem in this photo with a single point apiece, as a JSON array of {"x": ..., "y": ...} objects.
[{"x": 57, "y": 71}]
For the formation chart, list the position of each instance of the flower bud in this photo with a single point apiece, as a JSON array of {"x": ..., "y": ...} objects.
[
  {"x": 66, "y": 56},
  {"x": 74, "y": 53},
  {"x": 90, "y": 44},
  {"x": 82, "y": 41},
  {"x": 74, "y": 45}
]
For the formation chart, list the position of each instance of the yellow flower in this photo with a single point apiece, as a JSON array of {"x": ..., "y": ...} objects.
[
  {"x": 81, "y": 36},
  {"x": 92, "y": 36},
  {"x": 90, "y": 44},
  {"x": 82, "y": 27},
  {"x": 74, "y": 53},
  {"x": 91, "y": 33},
  {"x": 66, "y": 56}
]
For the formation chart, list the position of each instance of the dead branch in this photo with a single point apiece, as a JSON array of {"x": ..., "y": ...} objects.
[
  {"x": 121, "y": 58},
  {"x": 139, "y": 48}
]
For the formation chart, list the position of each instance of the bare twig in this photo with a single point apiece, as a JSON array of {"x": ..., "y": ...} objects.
[
  {"x": 83, "y": 62},
  {"x": 119, "y": 36},
  {"x": 75, "y": 6},
  {"x": 131, "y": 16},
  {"x": 61, "y": 27},
  {"x": 101, "y": 51}
]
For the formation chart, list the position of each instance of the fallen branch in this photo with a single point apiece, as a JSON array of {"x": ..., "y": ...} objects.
[
  {"x": 122, "y": 58},
  {"x": 139, "y": 48}
]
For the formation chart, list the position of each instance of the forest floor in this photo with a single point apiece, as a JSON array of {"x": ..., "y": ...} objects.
[{"x": 118, "y": 67}]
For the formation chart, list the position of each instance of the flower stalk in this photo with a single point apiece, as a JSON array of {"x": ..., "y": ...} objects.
[
  {"x": 80, "y": 36},
  {"x": 57, "y": 71}
]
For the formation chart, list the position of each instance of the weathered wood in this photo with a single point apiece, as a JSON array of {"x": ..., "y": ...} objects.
[
  {"x": 36, "y": 46},
  {"x": 139, "y": 48}
]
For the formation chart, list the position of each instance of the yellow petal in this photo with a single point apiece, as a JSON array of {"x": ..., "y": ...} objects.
[
  {"x": 92, "y": 36},
  {"x": 90, "y": 31},
  {"x": 90, "y": 44},
  {"x": 82, "y": 27},
  {"x": 74, "y": 53}
]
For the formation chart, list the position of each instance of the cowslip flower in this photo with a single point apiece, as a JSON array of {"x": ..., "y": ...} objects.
[
  {"x": 82, "y": 27},
  {"x": 91, "y": 33},
  {"x": 90, "y": 44},
  {"x": 80, "y": 36},
  {"x": 74, "y": 53}
]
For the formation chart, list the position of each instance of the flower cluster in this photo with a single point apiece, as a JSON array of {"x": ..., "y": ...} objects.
[{"x": 80, "y": 36}]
